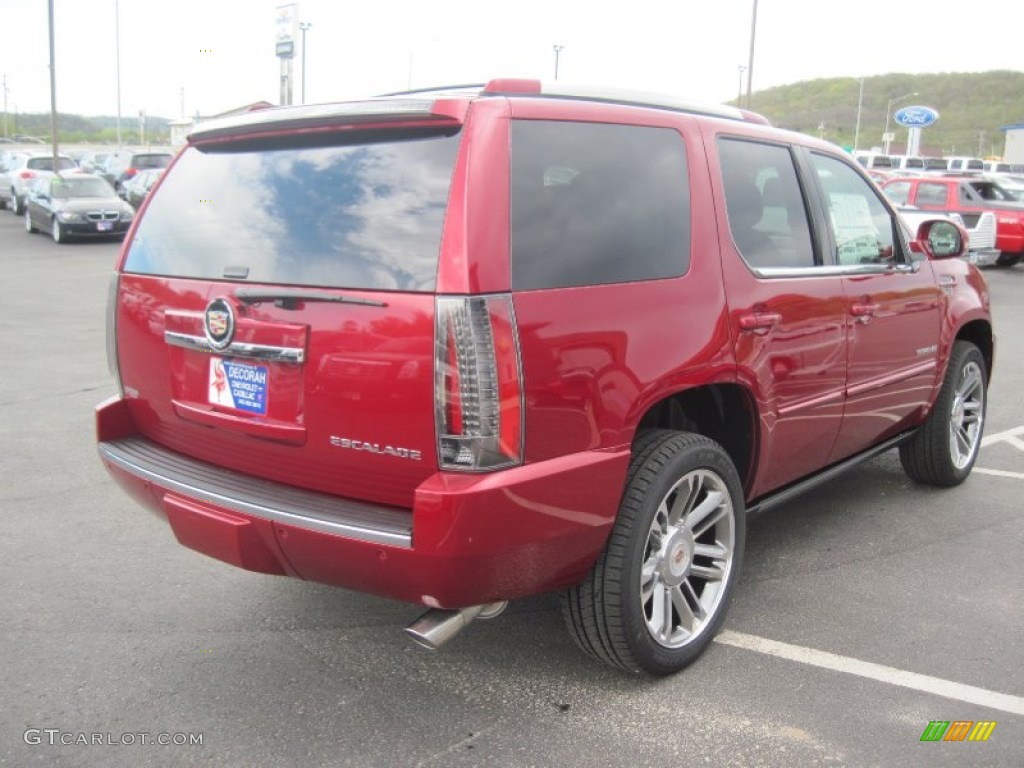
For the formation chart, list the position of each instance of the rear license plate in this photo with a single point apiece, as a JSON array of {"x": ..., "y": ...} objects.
[
  {"x": 104, "y": 226},
  {"x": 238, "y": 385}
]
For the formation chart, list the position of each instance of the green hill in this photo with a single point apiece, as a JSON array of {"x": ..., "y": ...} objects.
[
  {"x": 76, "y": 128},
  {"x": 973, "y": 107}
]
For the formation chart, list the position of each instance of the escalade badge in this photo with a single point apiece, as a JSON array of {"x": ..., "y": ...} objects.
[{"x": 219, "y": 323}]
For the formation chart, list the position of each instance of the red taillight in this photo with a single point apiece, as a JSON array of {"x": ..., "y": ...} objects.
[
  {"x": 478, "y": 384},
  {"x": 130, "y": 172},
  {"x": 26, "y": 175}
]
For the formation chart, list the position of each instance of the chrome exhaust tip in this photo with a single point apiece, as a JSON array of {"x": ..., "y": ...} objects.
[{"x": 438, "y": 625}]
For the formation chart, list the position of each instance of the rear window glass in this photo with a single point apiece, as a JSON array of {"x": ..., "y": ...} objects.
[
  {"x": 151, "y": 161},
  {"x": 357, "y": 216},
  {"x": 46, "y": 163},
  {"x": 594, "y": 203}
]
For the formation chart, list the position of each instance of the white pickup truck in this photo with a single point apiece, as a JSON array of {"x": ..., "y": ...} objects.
[{"x": 982, "y": 250}]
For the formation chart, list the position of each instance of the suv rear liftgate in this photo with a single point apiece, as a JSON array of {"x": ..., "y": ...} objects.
[{"x": 279, "y": 373}]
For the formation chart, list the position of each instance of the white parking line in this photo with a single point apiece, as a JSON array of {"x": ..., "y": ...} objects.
[
  {"x": 999, "y": 473},
  {"x": 1007, "y": 436},
  {"x": 934, "y": 685}
]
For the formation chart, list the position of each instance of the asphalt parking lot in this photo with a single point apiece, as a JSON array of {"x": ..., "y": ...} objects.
[{"x": 866, "y": 610}]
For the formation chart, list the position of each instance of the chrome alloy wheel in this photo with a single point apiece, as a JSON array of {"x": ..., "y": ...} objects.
[
  {"x": 688, "y": 558},
  {"x": 967, "y": 415}
]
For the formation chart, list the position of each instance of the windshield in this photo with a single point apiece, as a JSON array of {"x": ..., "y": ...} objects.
[
  {"x": 363, "y": 215},
  {"x": 65, "y": 188}
]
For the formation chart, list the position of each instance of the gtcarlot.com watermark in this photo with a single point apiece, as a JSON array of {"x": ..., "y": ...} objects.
[{"x": 58, "y": 737}]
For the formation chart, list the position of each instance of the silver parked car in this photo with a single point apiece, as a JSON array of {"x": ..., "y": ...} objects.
[{"x": 15, "y": 179}]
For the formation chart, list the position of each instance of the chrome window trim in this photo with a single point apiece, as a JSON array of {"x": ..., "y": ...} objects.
[
  {"x": 237, "y": 348},
  {"x": 850, "y": 270}
]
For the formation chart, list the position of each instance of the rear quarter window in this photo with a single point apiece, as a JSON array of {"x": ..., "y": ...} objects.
[
  {"x": 594, "y": 203},
  {"x": 897, "y": 191},
  {"x": 931, "y": 194}
]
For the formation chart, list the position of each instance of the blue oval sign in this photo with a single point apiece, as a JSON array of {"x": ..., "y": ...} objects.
[{"x": 916, "y": 117}]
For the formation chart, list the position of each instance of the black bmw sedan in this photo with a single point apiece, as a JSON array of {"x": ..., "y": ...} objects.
[{"x": 76, "y": 205}]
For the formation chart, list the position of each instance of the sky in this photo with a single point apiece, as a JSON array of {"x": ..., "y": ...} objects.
[{"x": 209, "y": 56}]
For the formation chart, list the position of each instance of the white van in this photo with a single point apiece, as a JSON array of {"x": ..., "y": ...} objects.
[
  {"x": 905, "y": 163},
  {"x": 965, "y": 164},
  {"x": 874, "y": 160}
]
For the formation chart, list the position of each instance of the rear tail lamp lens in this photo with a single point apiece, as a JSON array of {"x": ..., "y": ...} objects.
[
  {"x": 130, "y": 172},
  {"x": 478, "y": 393},
  {"x": 27, "y": 175}
]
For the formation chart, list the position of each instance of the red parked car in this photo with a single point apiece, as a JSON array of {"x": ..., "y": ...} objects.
[
  {"x": 968, "y": 197},
  {"x": 458, "y": 348}
]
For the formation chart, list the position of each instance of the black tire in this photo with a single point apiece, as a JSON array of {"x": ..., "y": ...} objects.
[
  {"x": 29, "y": 226},
  {"x": 1008, "y": 259},
  {"x": 17, "y": 205},
  {"x": 613, "y": 615},
  {"x": 943, "y": 451},
  {"x": 57, "y": 232}
]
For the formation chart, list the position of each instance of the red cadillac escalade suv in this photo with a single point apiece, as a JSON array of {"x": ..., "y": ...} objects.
[{"x": 462, "y": 346}]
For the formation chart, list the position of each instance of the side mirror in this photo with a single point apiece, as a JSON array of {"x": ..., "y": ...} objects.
[{"x": 940, "y": 239}]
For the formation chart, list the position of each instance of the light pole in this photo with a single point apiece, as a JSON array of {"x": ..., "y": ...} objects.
[
  {"x": 750, "y": 63},
  {"x": 117, "y": 48},
  {"x": 304, "y": 28},
  {"x": 739, "y": 93},
  {"x": 888, "y": 111},
  {"x": 558, "y": 49},
  {"x": 53, "y": 95}
]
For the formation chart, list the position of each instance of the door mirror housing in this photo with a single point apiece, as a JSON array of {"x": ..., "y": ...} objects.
[{"x": 940, "y": 239}]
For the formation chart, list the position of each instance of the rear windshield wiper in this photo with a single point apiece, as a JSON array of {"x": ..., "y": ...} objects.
[{"x": 290, "y": 299}]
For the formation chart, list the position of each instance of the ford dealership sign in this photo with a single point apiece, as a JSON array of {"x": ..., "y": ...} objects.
[{"x": 916, "y": 117}]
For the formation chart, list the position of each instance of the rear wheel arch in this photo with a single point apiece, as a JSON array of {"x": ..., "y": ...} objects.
[{"x": 725, "y": 413}]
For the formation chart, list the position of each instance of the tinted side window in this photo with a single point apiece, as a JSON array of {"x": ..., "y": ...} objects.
[
  {"x": 862, "y": 225},
  {"x": 767, "y": 217},
  {"x": 595, "y": 203},
  {"x": 965, "y": 195},
  {"x": 930, "y": 194}
]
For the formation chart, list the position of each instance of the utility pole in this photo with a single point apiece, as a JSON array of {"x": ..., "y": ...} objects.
[
  {"x": 558, "y": 50},
  {"x": 981, "y": 142},
  {"x": 739, "y": 93}
]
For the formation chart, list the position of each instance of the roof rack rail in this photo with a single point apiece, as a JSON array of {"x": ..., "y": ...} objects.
[
  {"x": 524, "y": 87},
  {"x": 436, "y": 89}
]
